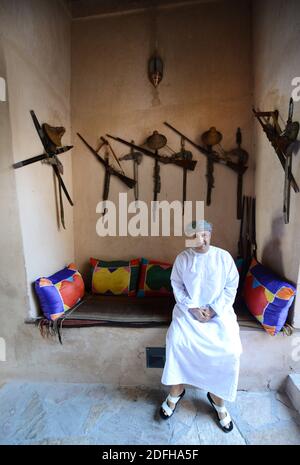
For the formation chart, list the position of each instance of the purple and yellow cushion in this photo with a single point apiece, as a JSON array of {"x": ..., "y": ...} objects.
[
  {"x": 59, "y": 292},
  {"x": 118, "y": 277},
  {"x": 267, "y": 297},
  {"x": 155, "y": 278}
]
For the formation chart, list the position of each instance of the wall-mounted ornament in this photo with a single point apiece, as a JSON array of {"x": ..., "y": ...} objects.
[
  {"x": 184, "y": 155},
  {"x": 213, "y": 137},
  {"x": 210, "y": 138},
  {"x": 155, "y": 70},
  {"x": 283, "y": 142},
  {"x": 137, "y": 159},
  {"x": 155, "y": 61},
  {"x": 239, "y": 157},
  {"x": 51, "y": 140},
  {"x": 109, "y": 169},
  {"x": 156, "y": 142}
]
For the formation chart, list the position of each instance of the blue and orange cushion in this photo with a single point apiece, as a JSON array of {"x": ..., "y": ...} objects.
[
  {"x": 59, "y": 292},
  {"x": 267, "y": 297},
  {"x": 118, "y": 277},
  {"x": 155, "y": 278}
]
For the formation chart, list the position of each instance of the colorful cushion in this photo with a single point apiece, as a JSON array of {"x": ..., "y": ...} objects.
[
  {"x": 60, "y": 291},
  {"x": 267, "y": 297},
  {"x": 115, "y": 277},
  {"x": 154, "y": 278}
]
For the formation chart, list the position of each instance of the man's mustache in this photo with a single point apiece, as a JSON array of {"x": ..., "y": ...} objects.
[{"x": 201, "y": 242}]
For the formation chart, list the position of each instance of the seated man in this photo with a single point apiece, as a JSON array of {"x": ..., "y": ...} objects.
[{"x": 203, "y": 345}]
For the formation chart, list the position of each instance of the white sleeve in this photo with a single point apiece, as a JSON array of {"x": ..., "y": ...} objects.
[
  {"x": 179, "y": 290},
  {"x": 225, "y": 300}
]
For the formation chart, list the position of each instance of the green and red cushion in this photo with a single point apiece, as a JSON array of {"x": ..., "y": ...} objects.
[
  {"x": 118, "y": 277},
  {"x": 155, "y": 278},
  {"x": 268, "y": 297}
]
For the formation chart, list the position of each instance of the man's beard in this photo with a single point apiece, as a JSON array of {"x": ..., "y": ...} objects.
[{"x": 204, "y": 246}]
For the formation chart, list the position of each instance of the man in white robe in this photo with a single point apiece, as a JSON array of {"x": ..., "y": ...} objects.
[{"x": 203, "y": 345}]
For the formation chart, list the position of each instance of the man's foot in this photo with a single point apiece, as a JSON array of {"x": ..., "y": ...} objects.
[
  {"x": 222, "y": 413},
  {"x": 172, "y": 404},
  {"x": 220, "y": 403},
  {"x": 169, "y": 405}
]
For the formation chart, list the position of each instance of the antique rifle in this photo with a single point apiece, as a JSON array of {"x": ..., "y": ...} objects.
[
  {"x": 214, "y": 156},
  {"x": 108, "y": 168},
  {"x": 157, "y": 141},
  {"x": 188, "y": 164},
  {"x": 51, "y": 148}
]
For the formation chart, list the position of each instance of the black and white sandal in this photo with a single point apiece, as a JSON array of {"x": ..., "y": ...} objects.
[
  {"x": 226, "y": 423},
  {"x": 166, "y": 408}
]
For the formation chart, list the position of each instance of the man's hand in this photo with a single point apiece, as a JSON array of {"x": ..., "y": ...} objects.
[{"x": 203, "y": 314}]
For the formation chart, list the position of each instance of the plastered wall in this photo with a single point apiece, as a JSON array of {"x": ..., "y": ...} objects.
[
  {"x": 207, "y": 81},
  {"x": 206, "y": 49},
  {"x": 35, "y": 63},
  {"x": 276, "y": 61},
  {"x": 36, "y": 43}
]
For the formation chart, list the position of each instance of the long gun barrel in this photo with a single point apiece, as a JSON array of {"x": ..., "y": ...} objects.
[
  {"x": 213, "y": 156},
  {"x": 128, "y": 181},
  {"x": 188, "y": 164}
]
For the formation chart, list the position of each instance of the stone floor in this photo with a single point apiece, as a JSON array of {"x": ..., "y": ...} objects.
[{"x": 40, "y": 413}]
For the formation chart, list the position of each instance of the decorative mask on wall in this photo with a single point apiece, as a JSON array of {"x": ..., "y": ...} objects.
[{"x": 155, "y": 70}]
